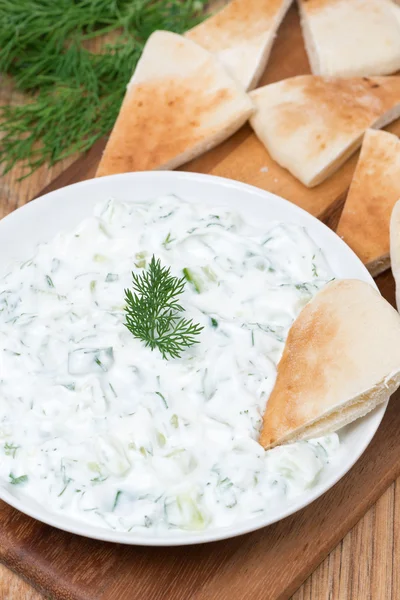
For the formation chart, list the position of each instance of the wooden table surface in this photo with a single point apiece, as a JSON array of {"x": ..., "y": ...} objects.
[{"x": 362, "y": 567}]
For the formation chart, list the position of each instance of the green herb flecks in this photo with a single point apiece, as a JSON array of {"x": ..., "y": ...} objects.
[
  {"x": 69, "y": 386},
  {"x": 168, "y": 240},
  {"x": 113, "y": 390},
  {"x": 163, "y": 399},
  {"x": 153, "y": 313},
  {"x": 147, "y": 521},
  {"x": 193, "y": 279},
  {"x": 64, "y": 488},
  {"x": 49, "y": 281},
  {"x": 75, "y": 94},
  {"x": 18, "y": 480},
  {"x": 10, "y": 449},
  {"x": 116, "y": 499}
]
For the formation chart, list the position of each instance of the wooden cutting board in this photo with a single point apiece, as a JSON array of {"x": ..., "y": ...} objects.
[{"x": 269, "y": 564}]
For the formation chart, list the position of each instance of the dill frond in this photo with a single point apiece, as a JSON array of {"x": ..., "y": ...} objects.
[
  {"x": 74, "y": 93},
  {"x": 153, "y": 313}
]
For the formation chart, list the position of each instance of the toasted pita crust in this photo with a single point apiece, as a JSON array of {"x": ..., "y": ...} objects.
[
  {"x": 241, "y": 35},
  {"x": 311, "y": 125},
  {"x": 364, "y": 223},
  {"x": 179, "y": 103},
  {"x": 395, "y": 249},
  {"x": 341, "y": 359},
  {"x": 351, "y": 38}
]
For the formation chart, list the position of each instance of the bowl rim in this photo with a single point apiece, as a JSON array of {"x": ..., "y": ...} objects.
[{"x": 81, "y": 528}]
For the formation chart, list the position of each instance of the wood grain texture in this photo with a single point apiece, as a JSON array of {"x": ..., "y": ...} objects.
[
  {"x": 15, "y": 588},
  {"x": 269, "y": 564}
]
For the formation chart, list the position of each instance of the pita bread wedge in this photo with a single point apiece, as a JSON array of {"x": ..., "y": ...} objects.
[
  {"x": 179, "y": 103},
  {"x": 365, "y": 220},
  {"x": 395, "y": 249},
  {"x": 311, "y": 125},
  {"x": 341, "y": 359},
  {"x": 241, "y": 35},
  {"x": 351, "y": 38}
]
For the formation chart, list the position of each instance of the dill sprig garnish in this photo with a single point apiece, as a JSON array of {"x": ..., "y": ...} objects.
[
  {"x": 75, "y": 93},
  {"x": 153, "y": 311}
]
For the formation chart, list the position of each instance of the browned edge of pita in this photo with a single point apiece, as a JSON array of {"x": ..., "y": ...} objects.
[{"x": 365, "y": 221}]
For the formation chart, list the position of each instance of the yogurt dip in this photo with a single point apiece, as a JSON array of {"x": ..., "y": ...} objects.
[{"x": 98, "y": 427}]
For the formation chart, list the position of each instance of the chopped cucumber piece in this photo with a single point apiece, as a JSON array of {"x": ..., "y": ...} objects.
[
  {"x": 94, "y": 466},
  {"x": 174, "y": 421},
  {"x": 209, "y": 273},
  {"x": 161, "y": 439},
  {"x": 183, "y": 512},
  {"x": 140, "y": 260},
  {"x": 99, "y": 258}
]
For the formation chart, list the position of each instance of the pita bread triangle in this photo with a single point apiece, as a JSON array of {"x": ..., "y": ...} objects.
[
  {"x": 351, "y": 38},
  {"x": 311, "y": 125},
  {"x": 241, "y": 35},
  {"x": 364, "y": 223},
  {"x": 179, "y": 103},
  {"x": 341, "y": 359}
]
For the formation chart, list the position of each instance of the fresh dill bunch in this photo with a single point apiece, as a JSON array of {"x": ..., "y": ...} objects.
[
  {"x": 75, "y": 93},
  {"x": 153, "y": 313}
]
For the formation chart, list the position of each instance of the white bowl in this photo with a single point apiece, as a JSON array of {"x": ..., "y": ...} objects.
[{"x": 63, "y": 209}]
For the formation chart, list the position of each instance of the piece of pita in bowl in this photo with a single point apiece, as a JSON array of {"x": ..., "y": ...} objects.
[
  {"x": 311, "y": 125},
  {"x": 341, "y": 359},
  {"x": 365, "y": 221},
  {"x": 241, "y": 35},
  {"x": 179, "y": 103},
  {"x": 351, "y": 38},
  {"x": 395, "y": 248}
]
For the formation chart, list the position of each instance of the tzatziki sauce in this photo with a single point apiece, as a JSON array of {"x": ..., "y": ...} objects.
[{"x": 100, "y": 428}]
